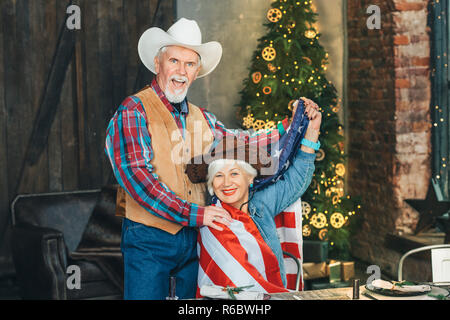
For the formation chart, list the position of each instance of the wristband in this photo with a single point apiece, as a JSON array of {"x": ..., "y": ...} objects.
[{"x": 310, "y": 144}]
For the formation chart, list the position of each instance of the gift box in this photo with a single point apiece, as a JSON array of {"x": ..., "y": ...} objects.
[
  {"x": 334, "y": 271},
  {"x": 347, "y": 270},
  {"x": 340, "y": 270},
  {"x": 314, "y": 270}
]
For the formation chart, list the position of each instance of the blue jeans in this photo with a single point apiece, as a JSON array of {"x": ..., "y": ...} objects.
[{"x": 152, "y": 255}]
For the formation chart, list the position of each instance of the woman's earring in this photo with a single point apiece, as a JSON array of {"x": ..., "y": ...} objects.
[{"x": 251, "y": 185}]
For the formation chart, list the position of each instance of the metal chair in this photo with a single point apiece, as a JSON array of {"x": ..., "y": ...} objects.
[
  {"x": 299, "y": 268},
  {"x": 440, "y": 263}
]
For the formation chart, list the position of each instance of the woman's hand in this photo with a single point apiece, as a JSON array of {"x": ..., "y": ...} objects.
[
  {"x": 216, "y": 214},
  {"x": 312, "y": 110}
]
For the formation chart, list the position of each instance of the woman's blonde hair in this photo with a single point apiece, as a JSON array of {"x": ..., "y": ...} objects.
[{"x": 217, "y": 165}]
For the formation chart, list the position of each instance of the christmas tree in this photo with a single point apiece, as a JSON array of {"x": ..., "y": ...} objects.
[{"x": 290, "y": 63}]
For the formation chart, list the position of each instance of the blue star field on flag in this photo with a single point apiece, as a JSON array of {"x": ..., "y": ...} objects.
[{"x": 284, "y": 150}]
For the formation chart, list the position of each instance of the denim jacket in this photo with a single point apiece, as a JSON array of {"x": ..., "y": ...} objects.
[{"x": 272, "y": 200}]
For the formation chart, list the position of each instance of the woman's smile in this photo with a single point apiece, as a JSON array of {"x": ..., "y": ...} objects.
[
  {"x": 230, "y": 185},
  {"x": 229, "y": 192}
]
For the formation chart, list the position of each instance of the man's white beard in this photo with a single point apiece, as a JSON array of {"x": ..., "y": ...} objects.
[{"x": 179, "y": 95}]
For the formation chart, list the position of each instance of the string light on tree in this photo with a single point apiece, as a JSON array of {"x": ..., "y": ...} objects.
[{"x": 290, "y": 63}]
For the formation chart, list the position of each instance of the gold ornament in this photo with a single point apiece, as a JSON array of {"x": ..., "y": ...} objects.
[
  {"x": 323, "y": 235},
  {"x": 274, "y": 15},
  {"x": 340, "y": 169},
  {"x": 320, "y": 155},
  {"x": 318, "y": 220},
  {"x": 329, "y": 191},
  {"x": 267, "y": 90},
  {"x": 248, "y": 121},
  {"x": 256, "y": 77},
  {"x": 291, "y": 105},
  {"x": 306, "y": 208},
  {"x": 269, "y": 125},
  {"x": 271, "y": 67},
  {"x": 306, "y": 230},
  {"x": 335, "y": 200},
  {"x": 337, "y": 220},
  {"x": 338, "y": 191},
  {"x": 259, "y": 125},
  {"x": 310, "y": 34},
  {"x": 308, "y": 60},
  {"x": 269, "y": 53}
]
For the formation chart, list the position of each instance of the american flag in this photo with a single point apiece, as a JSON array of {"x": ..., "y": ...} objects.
[
  {"x": 284, "y": 150},
  {"x": 289, "y": 229},
  {"x": 289, "y": 222},
  {"x": 238, "y": 256}
]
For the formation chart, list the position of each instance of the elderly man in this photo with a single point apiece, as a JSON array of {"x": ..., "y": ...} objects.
[{"x": 149, "y": 139}]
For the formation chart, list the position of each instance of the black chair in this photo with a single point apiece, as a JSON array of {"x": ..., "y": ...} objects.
[{"x": 54, "y": 231}]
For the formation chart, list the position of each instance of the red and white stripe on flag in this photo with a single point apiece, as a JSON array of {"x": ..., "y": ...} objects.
[
  {"x": 237, "y": 256},
  {"x": 289, "y": 229}
]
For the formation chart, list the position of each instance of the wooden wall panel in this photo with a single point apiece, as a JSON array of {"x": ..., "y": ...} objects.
[
  {"x": 104, "y": 70},
  {"x": 4, "y": 190},
  {"x": 92, "y": 169},
  {"x": 17, "y": 88}
]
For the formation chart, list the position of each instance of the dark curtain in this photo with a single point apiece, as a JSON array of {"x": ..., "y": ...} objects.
[{"x": 439, "y": 14}]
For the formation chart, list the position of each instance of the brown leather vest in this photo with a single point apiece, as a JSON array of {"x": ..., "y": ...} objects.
[{"x": 170, "y": 154}]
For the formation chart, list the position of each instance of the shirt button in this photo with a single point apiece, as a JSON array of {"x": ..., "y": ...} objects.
[{"x": 189, "y": 192}]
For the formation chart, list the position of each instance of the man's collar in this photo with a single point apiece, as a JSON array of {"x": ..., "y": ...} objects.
[{"x": 162, "y": 96}]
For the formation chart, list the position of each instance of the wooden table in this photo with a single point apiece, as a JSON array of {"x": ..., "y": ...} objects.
[
  {"x": 339, "y": 294},
  {"x": 324, "y": 294}
]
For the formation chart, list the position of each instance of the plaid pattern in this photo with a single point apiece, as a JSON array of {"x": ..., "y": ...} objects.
[{"x": 128, "y": 147}]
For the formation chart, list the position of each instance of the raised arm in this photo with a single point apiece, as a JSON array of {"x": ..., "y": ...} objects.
[
  {"x": 263, "y": 137},
  {"x": 298, "y": 177}
]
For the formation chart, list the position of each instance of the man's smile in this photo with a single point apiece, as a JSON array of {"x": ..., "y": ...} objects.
[{"x": 179, "y": 82}]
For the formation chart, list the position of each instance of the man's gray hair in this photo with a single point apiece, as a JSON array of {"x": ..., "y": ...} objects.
[{"x": 164, "y": 49}]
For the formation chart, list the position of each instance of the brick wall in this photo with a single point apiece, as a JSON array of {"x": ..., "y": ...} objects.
[{"x": 388, "y": 121}]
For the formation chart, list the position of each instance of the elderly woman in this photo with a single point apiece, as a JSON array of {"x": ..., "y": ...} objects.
[{"x": 247, "y": 251}]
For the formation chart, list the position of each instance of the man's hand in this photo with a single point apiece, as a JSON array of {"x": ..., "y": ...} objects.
[{"x": 216, "y": 214}]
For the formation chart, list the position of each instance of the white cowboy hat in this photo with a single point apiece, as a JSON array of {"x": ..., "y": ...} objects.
[{"x": 184, "y": 33}]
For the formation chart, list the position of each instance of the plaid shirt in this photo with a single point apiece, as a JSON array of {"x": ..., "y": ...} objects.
[{"x": 129, "y": 149}]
